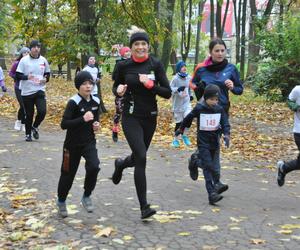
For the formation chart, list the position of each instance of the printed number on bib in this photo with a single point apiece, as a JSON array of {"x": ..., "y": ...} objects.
[{"x": 210, "y": 122}]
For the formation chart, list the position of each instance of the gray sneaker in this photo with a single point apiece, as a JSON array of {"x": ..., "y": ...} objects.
[
  {"x": 62, "y": 209},
  {"x": 87, "y": 204}
]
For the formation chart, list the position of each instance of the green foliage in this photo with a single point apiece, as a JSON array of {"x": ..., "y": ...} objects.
[{"x": 280, "y": 70}]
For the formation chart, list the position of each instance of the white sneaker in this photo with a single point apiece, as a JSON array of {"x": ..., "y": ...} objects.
[
  {"x": 23, "y": 127},
  {"x": 18, "y": 125}
]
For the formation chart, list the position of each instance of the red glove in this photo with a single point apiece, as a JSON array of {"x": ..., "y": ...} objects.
[{"x": 149, "y": 84}]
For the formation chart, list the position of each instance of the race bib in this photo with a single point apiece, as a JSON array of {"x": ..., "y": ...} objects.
[{"x": 210, "y": 122}]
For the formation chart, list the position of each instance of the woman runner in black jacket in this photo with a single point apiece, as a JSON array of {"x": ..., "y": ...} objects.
[{"x": 139, "y": 79}]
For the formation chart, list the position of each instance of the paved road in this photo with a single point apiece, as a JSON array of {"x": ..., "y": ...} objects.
[{"x": 249, "y": 217}]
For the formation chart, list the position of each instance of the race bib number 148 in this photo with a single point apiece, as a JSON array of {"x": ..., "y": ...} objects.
[{"x": 210, "y": 122}]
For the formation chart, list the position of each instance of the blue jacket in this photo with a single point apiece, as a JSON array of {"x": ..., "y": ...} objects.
[
  {"x": 208, "y": 135},
  {"x": 218, "y": 78}
]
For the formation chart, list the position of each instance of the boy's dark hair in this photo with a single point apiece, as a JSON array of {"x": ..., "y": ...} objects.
[
  {"x": 210, "y": 91},
  {"x": 214, "y": 42},
  {"x": 81, "y": 77}
]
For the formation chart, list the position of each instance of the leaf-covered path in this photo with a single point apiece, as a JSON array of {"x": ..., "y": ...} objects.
[{"x": 254, "y": 214}]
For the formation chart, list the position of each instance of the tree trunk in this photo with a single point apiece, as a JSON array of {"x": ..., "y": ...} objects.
[
  {"x": 173, "y": 60},
  {"x": 200, "y": 10},
  {"x": 253, "y": 48},
  {"x": 237, "y": 18},
  {"x": 2, "y": 62},
  {"x": 155, "y": 43},
  {"x": 69, "y": 77},
  {"x": 224, "y": 18},
  {"x": 43, "y": 21},
  {"x": 186, "y": 37},
  {"x": 167, "y": 46},
  {"x": 243, "y": 40},
  {"x": 219, "y": 19},
  {"x": 87, "y": 29},
  {"x": 212, "y": 19}
]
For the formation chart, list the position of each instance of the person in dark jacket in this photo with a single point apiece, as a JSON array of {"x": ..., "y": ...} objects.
[
  {"x": 211, "y": 122},
  {"x": 20, "y": 122},
  {"x": 139, "y": 79},
  {"x": 218, "y": 71},
  {"x": 81, "y": 119},
  {"x": 125, "y": 54}
]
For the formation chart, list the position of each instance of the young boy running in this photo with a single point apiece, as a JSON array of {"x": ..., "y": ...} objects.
[
  {"x": 181, "y": 100},
  {"x": 211, "y": 122},
  {"x": 81, "y": 119}
]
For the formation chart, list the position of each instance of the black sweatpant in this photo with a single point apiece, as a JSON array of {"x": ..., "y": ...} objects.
[
  {"x": 39, "y": 100},
  {"x": 139, "y": 133},
  {"x": 293, "y": 164},
  {"x": 89, "y": 153},
  {"x": 21, "y": 112}
]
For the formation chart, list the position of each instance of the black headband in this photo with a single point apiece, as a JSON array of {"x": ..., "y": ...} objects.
[{"x": 139, "y": 36}]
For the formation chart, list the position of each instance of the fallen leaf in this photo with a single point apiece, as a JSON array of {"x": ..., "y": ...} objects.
[
  {"x": 257, "y": 241},
  {"x": 184, "y": 234},
  {"x": 209, "y": 228}
]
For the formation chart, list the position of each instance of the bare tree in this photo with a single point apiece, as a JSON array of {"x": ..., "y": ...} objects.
[
  {"x": 199, "y": 22},
  {"x": 167, "y": 46}
]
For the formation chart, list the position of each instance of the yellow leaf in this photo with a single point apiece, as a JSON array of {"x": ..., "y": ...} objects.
[
  {"x": 104, "y": 232},
  {"x": 216, "y": 210},
  {"x": 290, "y": 226},
  {"x": 257, "y": 241},
  {"x": 209, "y": 228},
  {"x": 127, "y": 237},
  {"x": 184, "y": 234},
  {"x": 284, "y": 231}
]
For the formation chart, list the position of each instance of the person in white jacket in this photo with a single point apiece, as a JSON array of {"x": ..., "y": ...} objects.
[{"x": 181, "y": 101}]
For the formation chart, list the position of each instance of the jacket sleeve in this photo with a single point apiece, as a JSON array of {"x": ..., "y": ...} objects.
[
  {"x": 118, "y": 78},
  {"x": 173, "y": 85},
  {"x": 163, "y": 88},
  {"x": 225, "y": 123},
  {"x": 67, "y": 120},
  {"x": 237, "y": 83},
  {"x": 12, "y": 72},
  {"x": 187, "y": 121}
]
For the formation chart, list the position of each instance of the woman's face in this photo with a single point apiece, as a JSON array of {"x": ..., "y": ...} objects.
[
  {"x": 25, "y": 54},
  {"x": 218, "y": 53},
  {"x": 140, "y": 49}
]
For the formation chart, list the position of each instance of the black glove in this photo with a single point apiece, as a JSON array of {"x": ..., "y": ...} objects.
[
  {"x": 226, "y": 140},
  {"x": 181, "y": 88},
  {"x": 191, "y": 98},
  {"x": 178, "y": 132},
  {"x": 201, "y": 85}
]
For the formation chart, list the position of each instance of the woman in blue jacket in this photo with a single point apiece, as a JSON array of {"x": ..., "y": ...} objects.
[{"x": 216, "y": 70}]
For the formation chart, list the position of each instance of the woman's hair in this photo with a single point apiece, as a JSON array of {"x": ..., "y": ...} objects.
[{"x": 214, "y": 42}]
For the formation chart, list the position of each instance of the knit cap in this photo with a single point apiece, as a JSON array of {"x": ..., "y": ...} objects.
[
  {"x": 210, "y": 91},
  {"x": 34, "y": 43},
  {"x": 81, "y": 77},
  {"x": 24, "y": 50},
  {"x": 138, "y": 36},
  {"x": 179, "y": 65},
  {"x": 124, "y": 50}
]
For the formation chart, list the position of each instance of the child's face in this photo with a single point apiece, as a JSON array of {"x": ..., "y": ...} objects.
[
  {"x": 212, "y": 101},
  {"x": 183, "y": 69},
  {"x": 85, "y": 88},
  {"x": 127, "y": 54},
  {"x": 92, "y": 60}
]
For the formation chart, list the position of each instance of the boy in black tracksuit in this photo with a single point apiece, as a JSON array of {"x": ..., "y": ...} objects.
[
  {"x": 211, "y": 122},
  {"x": 81, "y": 119}
]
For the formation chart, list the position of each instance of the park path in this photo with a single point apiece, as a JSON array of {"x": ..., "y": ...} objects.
[{"x": 250, "y": 216}]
